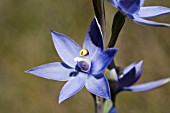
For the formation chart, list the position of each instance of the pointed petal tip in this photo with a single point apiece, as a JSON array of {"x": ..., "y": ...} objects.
[
  {"x": 139, "y": 64},
  {"x": 60, "y": 100},
  {"x": 28, "y": 71},
  {"x": 167, "y": 80},
  {"x": 53, "y": 32},
  {"x": 95, "y": 21},
  {"x": 108, "y": 97},
  {"x": 116, "y": 50},
  {"x": 56, "y": 33},
  {"x": 98, "y": 86}
]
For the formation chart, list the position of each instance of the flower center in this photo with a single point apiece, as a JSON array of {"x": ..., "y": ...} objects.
[
  {"x": 82, "y": 64},
  {"x": 84, "y": 52}
]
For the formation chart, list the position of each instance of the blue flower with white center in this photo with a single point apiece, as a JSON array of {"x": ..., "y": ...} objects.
[
  {"x": 128, "y": 78},
  {"x": 134, "y": 10},
  {"x": 81, "y": 67}
]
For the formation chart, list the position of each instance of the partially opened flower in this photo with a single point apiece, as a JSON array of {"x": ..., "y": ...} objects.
[
  {"x": 126, "y": 81},
  {"x": 81, "y": 67},
  {"x": 134, "y": 10}
]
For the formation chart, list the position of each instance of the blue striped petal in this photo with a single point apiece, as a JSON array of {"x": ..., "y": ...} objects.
[
  {"x": 54, "y": 71},
  {"x": 128, "y": 79},
  {"x": 147, "y": 86},
  {"x": 133, "y": 73},
  {"x": 66, "y": 48},
  {"x": 139, "y": 20},
  {"x": 75, "y": 84},
  {"x": 153, "y": 11},
  {"x": 128, "y": 68},
  {"x": 102, "y": 60},
  {"x": 94, "y": 39},
  {"x": 98, "y": 85}
]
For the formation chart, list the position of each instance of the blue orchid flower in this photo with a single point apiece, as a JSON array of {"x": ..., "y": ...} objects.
[
  {"x": 126, "y": 81},
  {"x": 81, "y": 67},
  {"x": 134, "y": 10}
]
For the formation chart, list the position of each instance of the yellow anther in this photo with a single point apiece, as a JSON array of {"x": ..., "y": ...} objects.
[{"x": 84, "y": 52}]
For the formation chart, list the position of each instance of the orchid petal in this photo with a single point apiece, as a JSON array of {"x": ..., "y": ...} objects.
[
  {"x": 129, "y": 6},
  {"x": 129, "y": 78},
  {"x": 147, "y": 86},
  {"x": 94, "y": 39},
  {"x": 128, "y": 68},
  {"x": 139, "y": 68},
  {"x": 152, "y": 11},
  {"x": 66, "y": 48},
  {"x": 75, "y": 84},
  {"x": 102, "y": 60},
  {"x": 133, "y": 73},
  {"x": 147, "y": 22},
  {"x": 54, "y": 71},
  {"x": 98, "y": 85}
]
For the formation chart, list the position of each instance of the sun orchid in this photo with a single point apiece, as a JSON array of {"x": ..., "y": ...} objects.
[
  {"x": 126, "y": 81},
  {"x": 81, "y": 67},
  {"x": 134, "y": 10}
]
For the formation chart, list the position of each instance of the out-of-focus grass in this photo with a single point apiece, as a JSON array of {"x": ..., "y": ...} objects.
[{"x": 25, "y": 42}]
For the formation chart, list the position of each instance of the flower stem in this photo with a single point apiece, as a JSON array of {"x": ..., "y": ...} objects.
[
  {"x": 118, "y": 22},
  {"x": 98, "y": 104},
  {"x": 100, "y": 14}
]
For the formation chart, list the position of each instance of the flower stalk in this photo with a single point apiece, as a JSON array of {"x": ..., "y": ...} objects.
[{"x": 100, "y": 14}]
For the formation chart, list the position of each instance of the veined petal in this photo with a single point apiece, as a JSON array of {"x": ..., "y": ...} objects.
[
  {"x": 102, "y": 60},
  {"x": 147, "y": 22},
  {"x": 147, "y": 86},
  {"x": 94, "y": 39},
  {"x": 54, "y": 71},
  {"x": 129, "y": 6},
  {"x": 152, "y": 11},
  {"x": 98, "y": 85},
  {"x": 66, "y": 48},
  {"x": 75, "y": 84}
]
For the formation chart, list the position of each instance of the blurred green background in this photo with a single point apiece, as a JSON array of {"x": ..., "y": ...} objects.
[{"x": 25, "y": 42}]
